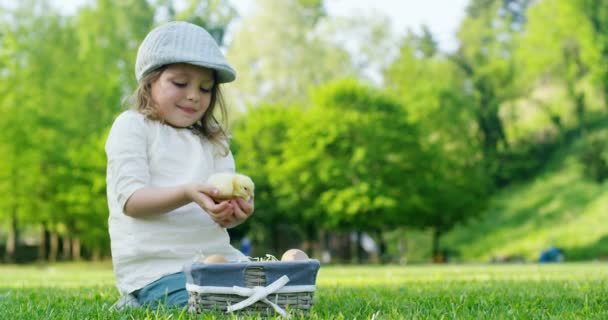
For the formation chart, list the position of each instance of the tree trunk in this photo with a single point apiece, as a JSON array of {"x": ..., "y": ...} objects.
[
  {"x": 96, "y": 254},
  {"x": 605, "y": 72},
  {"x": 381, "y": 247},
  {"x": 76, "y": 248},
  {"x": 54, "y": 246},
  {"x": 325, "y": 249},
  {"x": 491, "y": 126},
  {"x": 402, "y": 249},
  {"x": 348, "y": 248},
  {"x": 12, "y": 239},
  {"x": 488, "y": 120},
  {"x": 310, "y": 245},
  {"x": 605, "y": 89},
  {"x": 12, "y": 242},
  {"x": 276, "y": 239},
  {"x": 437, "y": 254},
  {"x": 42, "y": 246},
  {"x": 359, "y": 246},
  {"x": 580, "y": 107},
  {"x": 66, "y": 249}
]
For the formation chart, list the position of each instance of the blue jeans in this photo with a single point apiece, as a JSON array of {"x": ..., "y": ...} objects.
[{"x": 169, "y": 291}]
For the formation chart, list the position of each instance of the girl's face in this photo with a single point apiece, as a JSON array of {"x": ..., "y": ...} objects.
[{"x": 182, "y": 94}]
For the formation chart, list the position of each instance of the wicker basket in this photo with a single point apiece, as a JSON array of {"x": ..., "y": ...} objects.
[{"x": 267, "y": 288}]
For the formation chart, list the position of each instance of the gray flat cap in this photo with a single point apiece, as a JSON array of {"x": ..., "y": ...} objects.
[{"x": 181, "y": 42}]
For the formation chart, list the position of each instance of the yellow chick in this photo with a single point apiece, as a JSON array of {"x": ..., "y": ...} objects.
[{"x": 232, "y": 185}]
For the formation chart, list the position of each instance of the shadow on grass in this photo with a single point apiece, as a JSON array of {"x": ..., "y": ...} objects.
[{"x": 594, "y": 251}]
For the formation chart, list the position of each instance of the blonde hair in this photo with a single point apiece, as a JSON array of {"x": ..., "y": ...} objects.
[{"x": 208, "y": 126}]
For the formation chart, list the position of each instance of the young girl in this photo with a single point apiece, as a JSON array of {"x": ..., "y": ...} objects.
[{"x": 160, "y": 153}]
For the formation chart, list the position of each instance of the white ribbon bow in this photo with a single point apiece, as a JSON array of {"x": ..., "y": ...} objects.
[{"x": 256, "y": 294}]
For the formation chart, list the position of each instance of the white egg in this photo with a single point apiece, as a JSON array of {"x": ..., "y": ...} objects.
[
  {"x": 294, "y": 255},
  {"x": 215, "y": 258}
]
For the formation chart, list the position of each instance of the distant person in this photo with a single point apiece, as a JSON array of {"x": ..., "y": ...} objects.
[
  {"x": 246, "y": 246},
  {"x": 160, "y": 152},
  {"x": 552, "y": 254}
]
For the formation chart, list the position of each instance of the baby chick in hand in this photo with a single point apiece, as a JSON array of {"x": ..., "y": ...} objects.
[{"x": 231, "y": 185}]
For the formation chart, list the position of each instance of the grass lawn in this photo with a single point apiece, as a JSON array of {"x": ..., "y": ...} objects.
[{"x": 530, "y": 291}]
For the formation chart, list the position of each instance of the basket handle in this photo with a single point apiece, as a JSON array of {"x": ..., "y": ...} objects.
[{"x": 256, "y": 294}]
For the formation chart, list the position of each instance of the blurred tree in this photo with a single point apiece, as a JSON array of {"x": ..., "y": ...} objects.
[
  {"x": 486, "y": 60},
  {"x": 281, "y": 54},
  {"x": 350, "y": 163},
  {"x": 108, "y": 33},
  {"x": 24, "y": 106},
  {"x": 213, "y": 15},
  {"x": 367, "y": 39},
  {"x": 596, "y": 13},
  {"x": 259, "y": 139},
  {"x": 559, "y": 46},
  {"x": 455, "y": 185},
  {"x": 54, "y": 108}
]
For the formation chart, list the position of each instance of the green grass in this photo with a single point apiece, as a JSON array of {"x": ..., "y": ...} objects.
[{"x": 566, "y": 291}]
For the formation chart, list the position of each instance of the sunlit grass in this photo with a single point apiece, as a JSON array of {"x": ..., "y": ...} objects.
[
  {"x": 527, "y": 291},
  {"x": 61, "y": 275}
]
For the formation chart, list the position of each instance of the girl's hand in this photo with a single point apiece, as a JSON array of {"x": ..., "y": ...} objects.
[
  {"x": 243, "y": 209},
  {"x": 202, "y": 194},
  {"x": 221, "y": 213}
]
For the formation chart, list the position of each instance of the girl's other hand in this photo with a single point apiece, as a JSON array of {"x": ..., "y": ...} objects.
[
  {"x": 243, "y": 209},
  {"x": 202, "y": 194},
  {"x": 221, "y": 213}
]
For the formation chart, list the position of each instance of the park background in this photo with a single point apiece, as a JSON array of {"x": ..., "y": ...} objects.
[{"x": 493, "y": 151}]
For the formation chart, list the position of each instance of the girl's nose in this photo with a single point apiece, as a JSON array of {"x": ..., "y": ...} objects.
[{"x": 193, "y": 95}]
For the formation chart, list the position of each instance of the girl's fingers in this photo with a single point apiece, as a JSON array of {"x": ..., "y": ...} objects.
[
  {"x": 245, "y": 205},
  {"x": 208, "y": 189},
  {"x": 227, "y": 211},
  {"x": 222, "y": 206},
  {"x": 207, "y": 203},
  {"x": 221, "y": 211},
  {"x": 239, "y": 213}
]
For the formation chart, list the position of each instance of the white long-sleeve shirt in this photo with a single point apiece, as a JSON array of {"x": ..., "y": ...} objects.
[{"x": 143, "y": 152}]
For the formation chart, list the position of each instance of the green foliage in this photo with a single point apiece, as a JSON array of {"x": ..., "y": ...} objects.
[
  {"x": 595, "y": 13},
  {"x": 425, "y": 149},
  {"x": 348, "y": 165},
  {"x": 552, "y": 27},
  {"x": 455, "y": 184},
  {"x": 485, "y": 58},
  {"x": 594, "y": 157},
  {"x": 335, "y": 165},
  {"x": 559, "y": 47},
  {"x": 523, "y": 161},
  {"x": 557, "y": 208},
  {"x": 61, "y": 89},
  {"x": 258, "y": 143},
  {"x": 30, "y": 124}
]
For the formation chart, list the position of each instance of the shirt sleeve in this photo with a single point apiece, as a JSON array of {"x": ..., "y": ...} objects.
[
  {"x": 223, "y": 162},
  {"x": 126, "y": 150}
]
